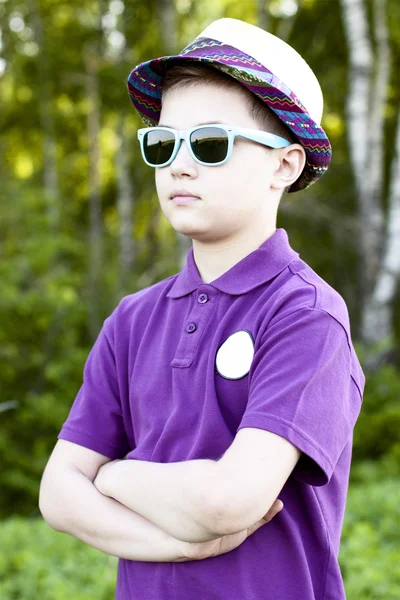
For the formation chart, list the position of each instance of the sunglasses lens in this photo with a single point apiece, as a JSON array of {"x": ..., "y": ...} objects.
[
  {"x": 209, "y": 144},
  {"x": 158, "y": 146}
]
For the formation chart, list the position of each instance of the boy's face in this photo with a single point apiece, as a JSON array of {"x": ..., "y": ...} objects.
[{"x": 236, "y": 201}]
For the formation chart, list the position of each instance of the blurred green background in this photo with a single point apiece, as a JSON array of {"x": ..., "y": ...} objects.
[{"x": 80, "y": 227}]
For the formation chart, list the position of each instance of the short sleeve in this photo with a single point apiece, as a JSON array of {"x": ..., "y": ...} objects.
[
  {"x": 300, "y": 388},
  {"x": 95, "y": 419}
]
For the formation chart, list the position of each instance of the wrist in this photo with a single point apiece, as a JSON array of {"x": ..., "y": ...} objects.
[{"x": 104, "y": 478}]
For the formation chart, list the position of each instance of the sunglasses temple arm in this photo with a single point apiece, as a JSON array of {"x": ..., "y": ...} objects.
[{"x": 268, "y": 139}]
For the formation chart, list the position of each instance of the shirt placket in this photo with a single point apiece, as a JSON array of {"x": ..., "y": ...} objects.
[{"x": 193, "y": 327}]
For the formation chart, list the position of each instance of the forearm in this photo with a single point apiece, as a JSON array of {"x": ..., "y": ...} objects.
[
  {"x": 174, "y": 496},
  {"x": 71, "y": 504}
]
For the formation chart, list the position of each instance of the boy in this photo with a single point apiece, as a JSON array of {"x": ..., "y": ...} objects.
[{"x": 233, "y": 381}]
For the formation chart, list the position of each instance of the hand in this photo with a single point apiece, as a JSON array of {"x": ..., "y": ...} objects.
[
  {"x": 103, "y": 476},
  {"x": 222, "y": 545}
]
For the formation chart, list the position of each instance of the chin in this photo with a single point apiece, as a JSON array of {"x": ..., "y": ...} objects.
[
  {"x": 184, "y": 226},
  {"x": 188, "y": 232}
]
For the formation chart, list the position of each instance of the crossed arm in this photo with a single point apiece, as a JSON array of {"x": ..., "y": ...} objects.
[
  {"x": 198, "y": 500},
  {"x": 134, "y": 504},
  {"x": 177, "y": 497}
]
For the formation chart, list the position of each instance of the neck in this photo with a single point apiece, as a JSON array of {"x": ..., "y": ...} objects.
[{"x": 213, "y": 259}]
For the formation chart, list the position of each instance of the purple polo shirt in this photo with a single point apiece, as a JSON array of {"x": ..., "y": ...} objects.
[{"x": 180, "y": 366}]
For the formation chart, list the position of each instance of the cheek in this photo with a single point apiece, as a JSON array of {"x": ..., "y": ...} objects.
[
  {"x": 236, "y": 187},
  {"x": 163, "y": 187},
  {"x": 158, "y": 179}
]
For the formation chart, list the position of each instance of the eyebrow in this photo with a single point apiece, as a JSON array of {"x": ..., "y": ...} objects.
[{"x": 205, "y": 123}]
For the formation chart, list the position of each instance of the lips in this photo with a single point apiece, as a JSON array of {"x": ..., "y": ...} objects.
[
  {"x": 184, "y": 199},
  {"x": 183, "y": 193}
]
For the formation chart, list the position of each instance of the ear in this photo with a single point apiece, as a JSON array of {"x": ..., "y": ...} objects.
[{"x": 292, "y": 160}]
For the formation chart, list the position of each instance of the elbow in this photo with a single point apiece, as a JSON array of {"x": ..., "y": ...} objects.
[
  {"x": 50, "y": 509},
  {"x": 223, "y": 510},
  {"x": 45, "y": 511},
  {"x": 225, "y": 519},
  {"x": 227, "y": 511}
]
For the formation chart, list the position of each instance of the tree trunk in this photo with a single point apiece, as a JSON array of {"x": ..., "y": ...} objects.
[
  {"x": 379, "y": 311},
  {"x": 373, "y": 202},
  {"x": 51, "y": 188},
  {"x": 168, "y": 25},
  {"x": 125, "y": 192},
  {"x": 368, "y": 85},
  {"x": 262, "y": 14},
  {"x": 286, "y": 25},
  {"x": 125, "y": 213},
  {"x": 95, "y": 213},
  {"x": 360, "y": 73}
]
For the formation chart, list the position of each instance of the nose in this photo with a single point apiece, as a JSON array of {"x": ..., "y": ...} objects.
[{"x": 183, "y": 162}]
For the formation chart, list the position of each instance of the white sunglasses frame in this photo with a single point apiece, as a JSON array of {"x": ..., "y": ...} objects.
[{"x": 256, "y": 135}]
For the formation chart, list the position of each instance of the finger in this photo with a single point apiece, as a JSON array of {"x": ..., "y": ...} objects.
[
  {"x": 275, "y": 508},
  {"x": 255, "y": 526}
]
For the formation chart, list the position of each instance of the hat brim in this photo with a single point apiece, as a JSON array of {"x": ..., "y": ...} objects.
[{"x": 145, "y": 88}]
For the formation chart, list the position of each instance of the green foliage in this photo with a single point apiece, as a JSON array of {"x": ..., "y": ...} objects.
[
  {"x": 370, "y": 553},
  {"x": 42, "y": 323},
  {"x": 44, "y": 338},
  {"x": 376, "y": 435},
  {"x": 40, "y": 317},
  {"x": 37, "y": 562}
]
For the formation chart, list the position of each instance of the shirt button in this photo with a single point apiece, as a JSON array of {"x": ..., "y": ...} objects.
[
  {"x": 202, "y": 298},
  {"x": 191, "y": 327}
]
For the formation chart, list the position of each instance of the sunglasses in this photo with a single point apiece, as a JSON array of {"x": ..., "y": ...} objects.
[{"x": 209, "y": 145}]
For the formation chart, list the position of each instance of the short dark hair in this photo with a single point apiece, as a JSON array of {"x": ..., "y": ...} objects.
[{"x": 188, "y": 73}]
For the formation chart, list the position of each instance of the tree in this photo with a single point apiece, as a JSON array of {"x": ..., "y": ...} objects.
[{"x": 379, "y": 265}]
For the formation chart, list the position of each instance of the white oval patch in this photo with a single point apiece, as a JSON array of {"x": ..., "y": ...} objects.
[{"x": 234, "y": 357}]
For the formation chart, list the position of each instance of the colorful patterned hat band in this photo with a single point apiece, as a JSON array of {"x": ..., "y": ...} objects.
[{"x": 145, "y": 84}]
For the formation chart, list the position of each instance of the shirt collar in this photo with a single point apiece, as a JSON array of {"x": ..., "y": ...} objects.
[{"x": 256, "y": 268}]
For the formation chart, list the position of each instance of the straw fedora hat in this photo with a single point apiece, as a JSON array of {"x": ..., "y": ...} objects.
[{"x": 265, "y": 65}]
